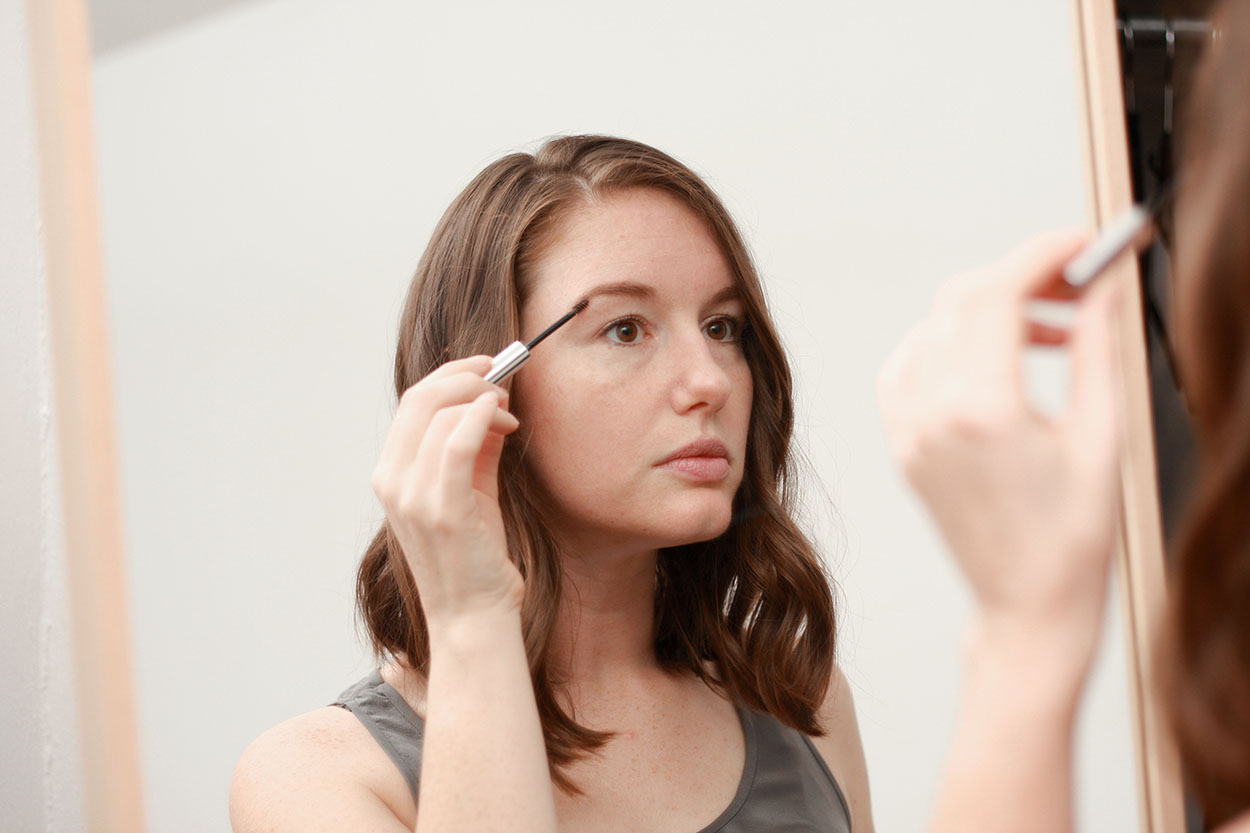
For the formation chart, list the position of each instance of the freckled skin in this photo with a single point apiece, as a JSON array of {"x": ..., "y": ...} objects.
[{"x": 601, "y": 409}]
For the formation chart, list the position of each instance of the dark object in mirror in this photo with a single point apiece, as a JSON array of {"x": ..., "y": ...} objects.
[{"x": 1160, "y": 41}]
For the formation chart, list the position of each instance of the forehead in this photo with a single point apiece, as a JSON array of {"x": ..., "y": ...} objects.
[{"x": 639, "y": 235}]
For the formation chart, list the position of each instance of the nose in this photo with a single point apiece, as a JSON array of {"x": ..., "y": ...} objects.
[{"x": 700, "y": 378}]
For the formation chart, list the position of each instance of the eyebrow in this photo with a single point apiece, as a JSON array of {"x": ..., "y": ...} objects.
[{"x": 631, "y": 289}]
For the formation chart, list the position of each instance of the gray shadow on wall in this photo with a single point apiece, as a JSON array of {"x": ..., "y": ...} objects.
[{"x": 118, "y": 23}]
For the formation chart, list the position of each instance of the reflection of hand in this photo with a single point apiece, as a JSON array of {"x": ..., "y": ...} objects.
[
  {"x": 437, "y": 479},
  {"x": 1027, "y": 503}
]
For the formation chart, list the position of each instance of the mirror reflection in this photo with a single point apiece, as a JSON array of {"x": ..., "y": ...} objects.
[{"x": 271, "y": 174}]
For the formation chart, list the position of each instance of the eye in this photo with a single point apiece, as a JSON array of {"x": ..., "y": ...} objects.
[
  {"x": 624, "y": 331},
  {"x": 723, "y": 329}
]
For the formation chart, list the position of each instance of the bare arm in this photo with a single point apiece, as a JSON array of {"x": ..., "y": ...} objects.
[
  {"x": 484, "y": 764},
  {"x": 1010, "y": 763},
  {"x": 843, "y": 751},
  {"x": 1241, "y": 824},
  {"x": 484, "y": 761},
  {"x": 1027, "y": 503},
  {"x": 319, "y": 772}
]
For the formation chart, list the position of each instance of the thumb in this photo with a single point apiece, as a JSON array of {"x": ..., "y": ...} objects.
[
  {"x": 486, "y": 467},
  {"x": 1036, "y": 265},
  {"x": 1096, "y": 406}
]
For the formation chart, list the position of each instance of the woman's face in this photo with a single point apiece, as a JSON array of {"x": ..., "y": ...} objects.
[{"x": 651, "y": 370}]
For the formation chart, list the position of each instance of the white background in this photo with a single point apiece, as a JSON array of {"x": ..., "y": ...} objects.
[{"x": 270, "y": 175}]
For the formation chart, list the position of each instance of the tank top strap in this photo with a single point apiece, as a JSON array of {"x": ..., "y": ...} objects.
[
  {"x": 391, "y": 721},
  {"x": 791, "y": 788}
]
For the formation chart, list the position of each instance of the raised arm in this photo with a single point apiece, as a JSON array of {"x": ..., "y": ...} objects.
[
  {"x": 1027, "y": 505},
  {"x": 484, "y": 762}
]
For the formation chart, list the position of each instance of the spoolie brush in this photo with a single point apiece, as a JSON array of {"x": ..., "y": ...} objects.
[{"x": 516, "y": 354}]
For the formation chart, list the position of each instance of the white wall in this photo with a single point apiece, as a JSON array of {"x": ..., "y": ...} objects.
[
  {"x": 271, "y": 175},
  {"x": 40, "y": 769}
]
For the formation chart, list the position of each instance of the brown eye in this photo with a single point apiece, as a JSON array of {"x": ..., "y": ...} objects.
[
  {"x": 722, "y": 329},
  {"x": 624, "y": 332}
]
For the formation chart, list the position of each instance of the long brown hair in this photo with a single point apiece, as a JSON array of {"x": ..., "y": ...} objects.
[
  {"x": 755, "y": 602},
  {"x": 1207, "y": 649}
]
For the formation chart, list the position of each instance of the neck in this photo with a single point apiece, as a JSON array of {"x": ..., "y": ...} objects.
[{"x": 605, "y": 628}]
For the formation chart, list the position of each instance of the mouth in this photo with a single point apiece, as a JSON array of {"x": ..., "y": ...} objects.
[{"x": 703, "y": 459}]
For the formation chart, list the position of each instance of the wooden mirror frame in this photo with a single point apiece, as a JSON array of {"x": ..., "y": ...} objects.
[
  {"x": 60, "y": 62},
  {"x": 1139, "y": 560}
]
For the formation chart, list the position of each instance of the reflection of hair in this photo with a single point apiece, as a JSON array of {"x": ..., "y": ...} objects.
[
  {"x": 755, "y": 601},
  {"x": 1208, "y": 649}
]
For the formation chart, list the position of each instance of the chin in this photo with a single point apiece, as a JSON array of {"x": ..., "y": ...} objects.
[{"x": 701, "y": 523}]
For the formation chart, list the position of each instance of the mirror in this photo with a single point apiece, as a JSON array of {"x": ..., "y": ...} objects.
[{"x": 269, "y": 173}]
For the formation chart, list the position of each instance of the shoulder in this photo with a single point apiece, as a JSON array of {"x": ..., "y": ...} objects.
[
  {"x": 1240, "y": 824},
  {"x": 319, "y": 771},
  {"x": 843, "y": 751}
]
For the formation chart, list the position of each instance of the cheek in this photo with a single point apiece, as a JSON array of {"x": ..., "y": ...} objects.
[
  {"x": 744, "y": 397},
  {"x": 575, "y": 422}
]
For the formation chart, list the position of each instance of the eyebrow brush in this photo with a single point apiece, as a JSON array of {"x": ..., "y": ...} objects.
[
  {"x": 1133, "y": 229},
  {"x": 517, "y": 353}
]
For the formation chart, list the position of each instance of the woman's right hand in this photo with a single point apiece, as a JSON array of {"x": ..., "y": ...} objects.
[
  {"x": 437, "y": 479},
  {"x": 1027, "y": 501}
]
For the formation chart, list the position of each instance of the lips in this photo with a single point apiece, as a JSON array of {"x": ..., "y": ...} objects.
[{"x": 703, "y": 459}]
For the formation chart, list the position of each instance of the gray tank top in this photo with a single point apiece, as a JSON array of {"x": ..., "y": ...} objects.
[{"x": 785, "y": 785}]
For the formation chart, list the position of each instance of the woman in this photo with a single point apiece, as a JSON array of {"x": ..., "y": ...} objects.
[
  {"x": 591, "y": 604},
  {"x": 1028, "y": 505}
]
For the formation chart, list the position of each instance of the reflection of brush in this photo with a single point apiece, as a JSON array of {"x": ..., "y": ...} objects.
[
  {"x": 1133, "y": 229},
  {"x": 516, "y": 354}
]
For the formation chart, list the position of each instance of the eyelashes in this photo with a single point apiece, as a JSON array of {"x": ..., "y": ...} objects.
[{"x": 630, "y": 329}]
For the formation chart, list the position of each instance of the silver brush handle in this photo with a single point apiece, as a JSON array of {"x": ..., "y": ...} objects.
[
  {"x": 507, "y": 362},
  {"x": 1130, "y": 230}
]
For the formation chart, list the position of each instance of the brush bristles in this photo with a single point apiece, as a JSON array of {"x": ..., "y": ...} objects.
[{"x": 581, "y": 305}]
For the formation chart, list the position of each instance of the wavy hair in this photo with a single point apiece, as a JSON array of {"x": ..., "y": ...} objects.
[
  {"x": 1206, "y": 650},
  {"x": 755, "y": 604}
]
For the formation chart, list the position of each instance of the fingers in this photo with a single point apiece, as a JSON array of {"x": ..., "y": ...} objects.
[
  {"x": 464, "y": 443},
  {"x": 1046, "y": 335},
  {"x": 1095, "y": 408},
  {"x": 454, "y": 384},
  {"x": 984, "y": 313},
  {"x": 1035, "y": 267},
  {"x": 443, "y": 471},
  {"x": 486, "y": 470},
  {"x": 470, "y": 364},
  {"x": 1059, "y": 290}
]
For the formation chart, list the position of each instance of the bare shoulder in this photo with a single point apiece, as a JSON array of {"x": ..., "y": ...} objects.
[
  {"x": 843, "y": 751},
  {"x": 319, "y": 772},
  {"x": 1240, "y": 824}
]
